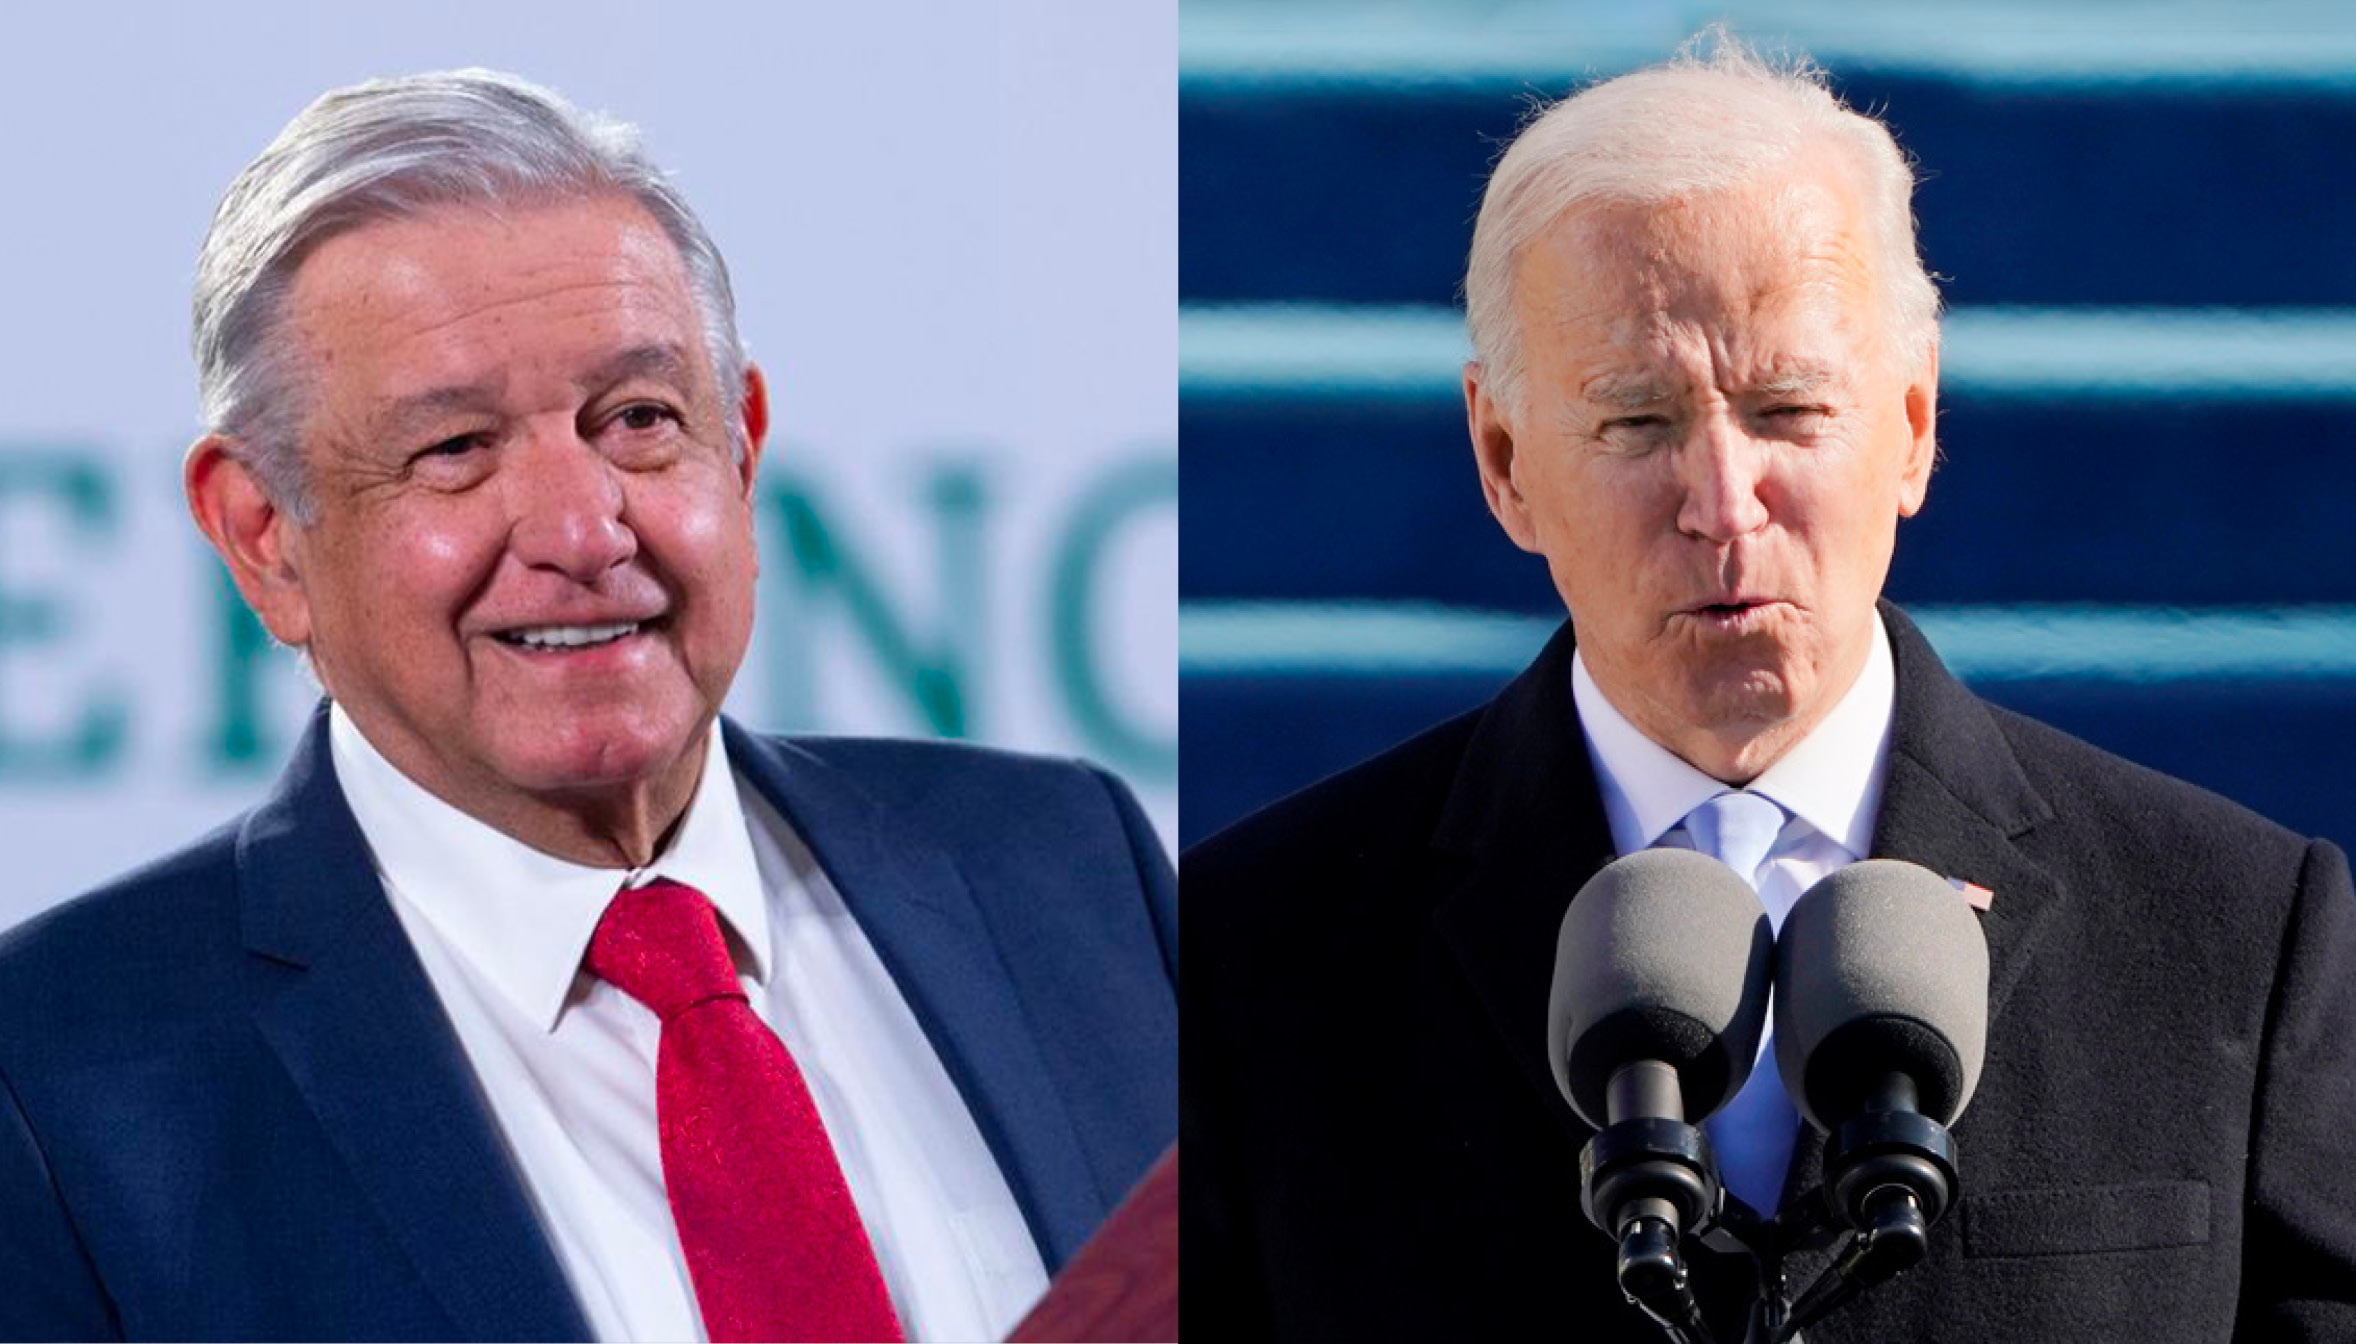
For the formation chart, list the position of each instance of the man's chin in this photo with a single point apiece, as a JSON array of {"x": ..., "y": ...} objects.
[
  {"x": 1731, "y": 724},
  {"x": 601, "y": 763}
]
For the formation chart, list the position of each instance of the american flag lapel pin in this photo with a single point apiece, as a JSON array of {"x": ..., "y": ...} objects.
[{"x": 1974, "y": 895}]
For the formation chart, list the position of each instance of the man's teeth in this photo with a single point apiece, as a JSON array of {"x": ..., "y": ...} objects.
[{"x": 569, "y": 636}]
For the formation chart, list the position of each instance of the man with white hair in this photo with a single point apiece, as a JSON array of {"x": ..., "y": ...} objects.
[
  {"x": 1703, "y": 389},
  {"x": 539, "y": 1001}
]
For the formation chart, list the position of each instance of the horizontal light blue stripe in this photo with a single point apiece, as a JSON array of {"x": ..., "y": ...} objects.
[
  {"x": 2019, "y": 643},
  {"x": 2150, "y": 352},
  {"x": 1370, "y": 639},
  {"x": 1552, "y": 47},
  {"x": 1405, "y": 350},
  {"x": 1418, "y": 351}
]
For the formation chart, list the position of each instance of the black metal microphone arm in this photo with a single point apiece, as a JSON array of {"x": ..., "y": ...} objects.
[{"x": 1890, "y": 1173}]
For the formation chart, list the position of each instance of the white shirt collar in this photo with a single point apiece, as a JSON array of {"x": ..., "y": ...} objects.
[
  {"x": 1831, "y": 779},
  {"x": 523, "y": 918}
]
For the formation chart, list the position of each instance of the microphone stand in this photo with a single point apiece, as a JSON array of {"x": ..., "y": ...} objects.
[
  {"x": 1807, "y": 1225},
  {"x": 1890, "y": 1174}
]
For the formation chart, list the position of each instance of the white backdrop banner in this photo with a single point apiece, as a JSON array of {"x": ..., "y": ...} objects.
[{"x": 953, "y": 235}]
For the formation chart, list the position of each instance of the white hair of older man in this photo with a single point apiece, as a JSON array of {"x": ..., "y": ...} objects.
[
  {"x": 1697, "y": 125},
  {"x": 389, "y": 149}
]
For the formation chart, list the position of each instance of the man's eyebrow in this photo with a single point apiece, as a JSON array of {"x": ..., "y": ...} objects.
[
  {"x": 666, "y": 361},
  {"x": 411, "y": 414},
  {"x": 1627, "y": 391},
  {"x": 1796, "y": 380}
]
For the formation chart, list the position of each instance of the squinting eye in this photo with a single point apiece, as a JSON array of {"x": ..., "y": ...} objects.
[{"x": 464, "y": 443}]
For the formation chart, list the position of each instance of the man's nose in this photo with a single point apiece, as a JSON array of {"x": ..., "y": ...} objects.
[
  {"x": 567, "y": 500},
  {"x": 1721, "y": 471}
]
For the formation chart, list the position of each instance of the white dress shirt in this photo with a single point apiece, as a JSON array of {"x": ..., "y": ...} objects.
[
  {"x": 1830, "y": 780},
  {"x": 566, "y": 1061}
]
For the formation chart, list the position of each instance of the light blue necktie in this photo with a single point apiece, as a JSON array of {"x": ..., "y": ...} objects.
[{"x": 1753, "y": 1135}]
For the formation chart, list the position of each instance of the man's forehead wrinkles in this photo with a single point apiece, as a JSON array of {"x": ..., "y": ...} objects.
[
  {"x": 447, "y": 397},
  {"x": 1829, "y": 282},
  {"x": 1765, "y": 361},
  {"x": 477, "y": 310},
  {"x": 1569, "y": 310}
]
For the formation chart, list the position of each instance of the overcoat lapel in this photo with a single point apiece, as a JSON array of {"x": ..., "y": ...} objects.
[
  {"x": 1525, "y": 823},
  {"x": 1957, "y": 803},
  {"x": 340, "y": 997},
  {"x": 917, "y": 908}
]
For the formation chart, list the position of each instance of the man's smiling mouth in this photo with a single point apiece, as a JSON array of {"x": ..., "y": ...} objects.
[{"x": 551, "y": 638}]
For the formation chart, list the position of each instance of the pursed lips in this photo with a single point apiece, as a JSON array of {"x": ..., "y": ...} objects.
[
  {"x": 1738, "y": 614},
  {"x": 1729, "y": 605}
]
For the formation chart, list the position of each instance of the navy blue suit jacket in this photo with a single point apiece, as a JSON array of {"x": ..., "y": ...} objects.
[{"x": 231, "y": 1105}]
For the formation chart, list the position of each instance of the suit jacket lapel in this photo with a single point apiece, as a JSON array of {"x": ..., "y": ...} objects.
[
  {"x": 916, "y": 908},
  {"x": 341, "y": 998},
  {"x": 1526, "y": 821}
]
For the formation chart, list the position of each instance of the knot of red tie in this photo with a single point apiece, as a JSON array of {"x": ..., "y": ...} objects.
[{"x": 661, "y": 945}]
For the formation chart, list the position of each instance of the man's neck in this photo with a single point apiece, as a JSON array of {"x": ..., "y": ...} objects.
[{"x": 1831, "y": 775}]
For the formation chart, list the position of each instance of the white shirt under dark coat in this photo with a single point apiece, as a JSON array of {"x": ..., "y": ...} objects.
[
  {"x": 1830, "y": 780},
  {"x": 566, "y": 1061}
]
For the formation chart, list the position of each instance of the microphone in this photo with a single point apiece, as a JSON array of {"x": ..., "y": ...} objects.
[
  {"x": 1881, "y": 1024},
  {"x": 1659, "y": 997}
]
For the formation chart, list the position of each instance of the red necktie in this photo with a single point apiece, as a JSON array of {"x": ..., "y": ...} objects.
[{"x": 773, "y": 1242}]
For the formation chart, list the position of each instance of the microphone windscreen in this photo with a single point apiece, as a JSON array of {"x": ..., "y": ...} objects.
[
  {"x": 1882, "y": 968},
  {"x": 1664, "y": 955}
]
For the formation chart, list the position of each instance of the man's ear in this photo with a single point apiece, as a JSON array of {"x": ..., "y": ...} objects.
[
  {"x": 1492, "y": 439},
  {"x": 254, "y": 537},
  {"x": 755, "y": 411},
  {"x": 1922, "y": 424}
]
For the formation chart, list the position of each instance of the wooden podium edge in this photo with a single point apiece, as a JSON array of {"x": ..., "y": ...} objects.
[{"x": 1123, "y": 1285}]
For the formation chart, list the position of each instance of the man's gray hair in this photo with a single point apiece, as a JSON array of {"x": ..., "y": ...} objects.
[
  {"x": 388, "y": 149},
  {"x": 1693, "y": 126}
]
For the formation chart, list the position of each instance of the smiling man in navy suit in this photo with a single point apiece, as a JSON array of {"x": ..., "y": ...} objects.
[{"x": 539, "y": 1001}]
